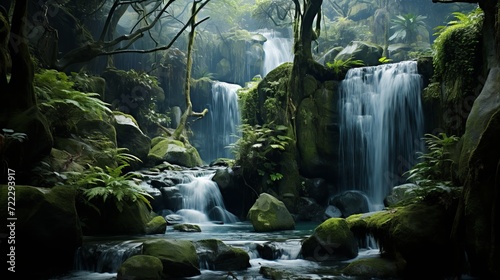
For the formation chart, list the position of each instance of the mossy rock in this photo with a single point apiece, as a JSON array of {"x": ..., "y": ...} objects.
[
  {"x": 174, "y": 152},
  {"x": 270, "y": 214},
  {"x": 419, "y": 233},
  {"x": 187, "y": 228},
  {"x": 47, "y": 229},
  {"x": 131, "y": 137},
  {"x": 141, "y": 267},
  {"x": 178, "y": 257},
  {"x": 331, "y": 240},
  {"x": 157, "y": 225},
  {"x": 220, "y": 256},
  {"x": 374, "y": 267}
]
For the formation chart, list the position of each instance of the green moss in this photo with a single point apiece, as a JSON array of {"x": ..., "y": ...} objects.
[
  {"x": 333, "y": 229},
  {"x": 178, "y": 257}
]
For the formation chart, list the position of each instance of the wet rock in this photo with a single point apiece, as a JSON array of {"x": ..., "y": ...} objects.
[
  {"x": 400, "y": 193},
  {"x": 332, "y": 212},
  {"x": 375, "y": 267},
  {"x": 187, "y": 228},
  {"x": 174, "y": 219},
  {"x": 157, "y": 225},
  {"x": 331, "y": 240},
  {"x": 270, "y": 214},
  {"x": 220, "y": 256},
  {"x": 351, "y": 202},
  {"x": 178, "y": 257},
  {"x": 269, "y": 251},
  {"x": 141, "y": 267}
]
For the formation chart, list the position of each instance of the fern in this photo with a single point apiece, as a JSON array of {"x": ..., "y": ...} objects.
[
  {"x": 339, "y": 65},
  {"x": 435, "y": 165},
  {"x": 110, "y": 183}
]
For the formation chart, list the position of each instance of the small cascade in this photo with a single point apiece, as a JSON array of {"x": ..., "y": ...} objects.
[
  {"x": 381, "y": 127},
  {"x": 277, "y": 50},
  {"x": 188, "y": 196},
  {"x": 202, "y": 202},
  {"x": 105, "y": 257},
  {"x": 220, "y": 128}
]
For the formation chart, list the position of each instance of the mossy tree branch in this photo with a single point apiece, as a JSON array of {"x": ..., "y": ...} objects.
[{"x": 187, "y": 85}]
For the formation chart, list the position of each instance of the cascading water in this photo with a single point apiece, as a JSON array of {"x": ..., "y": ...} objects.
[
  {"x": 381, "y": 127},
  {"x": 220, "y": 127},
  {"x": 202, "y": 202},
  {"x": 277, "y": 50}
]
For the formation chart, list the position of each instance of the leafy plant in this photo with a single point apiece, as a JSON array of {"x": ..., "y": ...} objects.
[
  {"x": 259, "y": 147},
  {"x": 340, "y": 66},
  {"x": 384, "y": 60},
  {"x": 7, "y": 137},
  {"x": 110, "y": 183},
  {"x": 435, "y": 165},
  {"x": 62, "y": 104},
  {"x": 407, "y": 28},
  {"x": 461, "y": 19}
]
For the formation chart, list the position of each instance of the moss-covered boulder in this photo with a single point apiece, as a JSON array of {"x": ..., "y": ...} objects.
[
  {"x": 157, "y": 225},
  {"x": 270, "y": 214},
  {"x": 104, "y": 218},
  {"x": 359, "y": 50},
  {"x": 131, "y": 137},
  {"x": 178, "y": 257},
  {"x": 331, "y": 240},
  {"x": 174, "y": 152},
  {"x": 417, "y": 234},
  {"x": 220, "y": 256},
  {"x": 141, "y": 267},
  {"x": 374, "y": 267},
  {"x": 46, "y": 231}
]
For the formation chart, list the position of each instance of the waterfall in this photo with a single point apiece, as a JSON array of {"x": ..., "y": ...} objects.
[
  {"x": 202, "y": 202},
  {"x": 277, "y": 50},
  {"x": 381, "y": 127},
  {"x": 220, "y": 127}
]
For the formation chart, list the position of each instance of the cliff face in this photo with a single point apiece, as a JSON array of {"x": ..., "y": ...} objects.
[{"x": 479, "y": 167}]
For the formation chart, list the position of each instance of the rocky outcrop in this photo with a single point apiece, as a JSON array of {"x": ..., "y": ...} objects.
[
  {"x": 331, "y": 240},
  {"x": 270, "y": 214},
  {"x": 367, "y": 52}
]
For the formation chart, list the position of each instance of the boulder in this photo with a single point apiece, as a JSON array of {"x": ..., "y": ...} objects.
[
  {"x": 47, "y": 229},
  {"x": 351, "y": 202},
  {"x": 219, "y": 256},
  {"x": 270, "y": 214},
  {"x": 178, "y": 257},
  {"x": 187, "y": 228},
  {"x": 358, "y": 50},
  {"x": 141, "y": 267},
  {"x": 374, "y": 267},
  {"x": 174, "y": 152},
  {"x": 401, "y": 193},
  {"x": 331, "y": 240},
  {"x": 130, "y": 136},
  {"x": 157, "y": 225}
]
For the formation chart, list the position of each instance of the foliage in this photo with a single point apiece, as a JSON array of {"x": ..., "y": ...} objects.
[
  {"x": 457, "y": 60},
  {"x": 248, "y": 102},
  {"x": 259, "y": 148},
  {"x": 407, "y": 28},
  {"x": 62, "y": 104},
  {"x": 276, "y": 12},
  {"x": 384, "y": 60},
  {"x": 340, "y": 66},
  {"x": 435, "y": 167},
  {"x": 7, "y": 137},
  {"x": 110, "y": 182}
]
